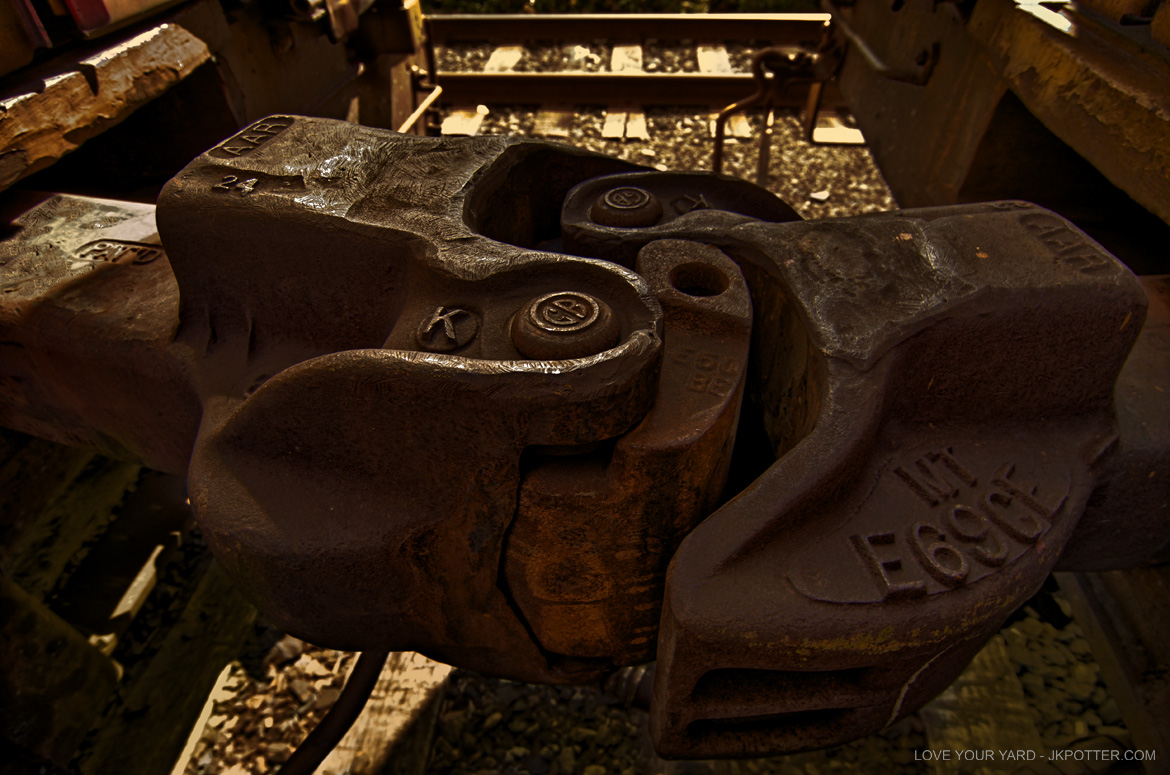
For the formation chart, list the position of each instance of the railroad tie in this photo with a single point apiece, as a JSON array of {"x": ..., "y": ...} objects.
[
  {"x": 467, "y": 120},
  {"x": 625, "y": 120},
  {"x": 714, "y": 60},
  {"x": 464, "y": 121}
]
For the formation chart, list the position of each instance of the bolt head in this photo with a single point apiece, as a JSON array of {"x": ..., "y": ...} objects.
[
  {"x": 566, "y": 324},
  {"x": 626, "y": 207}
]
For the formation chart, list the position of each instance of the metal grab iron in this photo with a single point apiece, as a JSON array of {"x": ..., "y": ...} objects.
[{"x": 412, "y": 424}]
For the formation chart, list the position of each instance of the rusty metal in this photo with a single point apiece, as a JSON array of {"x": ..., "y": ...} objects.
[
  {"x": 91, "y": 272},
  {"x": 626, "y": 206},
  {"x": 594, "y": 532},
  {"x": 904, "y": 517},
  {"x": 788, "y": 69},
  {"x": 810, "y": 70},
  {"x": 1132, "y": 479},
  {"x": 337, "y": 18},
  {"x": 94, "y": 16},
  {"x": 450, "y": 447},
  {"x": 21, "y": 34},
  {"x": 832, "y": 52},
  {"x": 417, "y": 348},
  {"x": 918, "y": 74},
  {"x": 564, "y": 324},
  {"x": 695, "y": 202}
]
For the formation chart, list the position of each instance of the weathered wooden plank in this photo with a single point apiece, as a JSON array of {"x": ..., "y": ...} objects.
[
  {"x": 831, "y": 130},
  {"x": 464, "y": 121},
  {"x": 42, "y": 121},
  {"x": 145, "y": 732},
  {"x": 45, "y": 549},
  {"x": 52, "y": 682},
  {"x": 504, "y": 59},
  {"x": 628, "y": 59},
  {"x": 219, "y": 691},
  {"x": 11, "y": 442},
  {"x": 614, "y": 127},
  {"x": 392, "y": 735},
  {"x": 35, "y": 474},
  {"x": 104, "y": 593},
  {"x": 554, "y": 122},
  {"x": 713, "y": 59},
  {"x": 636, "y": 127}
]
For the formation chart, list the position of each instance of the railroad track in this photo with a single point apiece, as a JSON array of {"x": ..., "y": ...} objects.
[{"x": 624, "y": 62}]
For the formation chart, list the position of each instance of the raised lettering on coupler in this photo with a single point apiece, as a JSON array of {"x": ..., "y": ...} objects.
[
  {"x": 942, "y": 560},
  {"x": 932, "y": 476},
  {"x": 251, "y": 138},
  {"x": 867, "y": 548},
  {"x": 1068, "y": 247},
  {"x": 977, "y": 533}
]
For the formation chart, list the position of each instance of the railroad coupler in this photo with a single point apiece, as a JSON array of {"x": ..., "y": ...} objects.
[
  {"x": 415, "y": 436},
  {"x": 937, "y": 386},
  {"x": 478, "y": 398}
]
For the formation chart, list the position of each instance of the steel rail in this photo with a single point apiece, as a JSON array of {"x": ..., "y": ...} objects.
[
  {"x": 804, "y": 30},
  {"x": 778, "y": 29},
  {"x": 612, "y": 89}
]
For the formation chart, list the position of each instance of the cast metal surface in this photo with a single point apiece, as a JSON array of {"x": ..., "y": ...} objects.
[
  {"x": 408, "y": 424},
  {"x": 426, "y": 361},
  {"x": 938, "y": 406}
]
